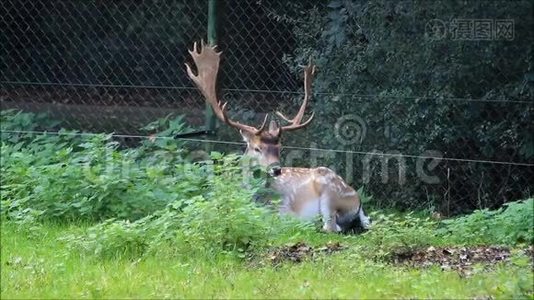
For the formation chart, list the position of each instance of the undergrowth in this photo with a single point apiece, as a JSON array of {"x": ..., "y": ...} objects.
[
  {"x": 511, "y": 224},
  {"x": 71, "y": 177},
  {"x": 84, "y": 217},
  {"x": 135, "y": 202},
  {"x": 223, "y": 220}
]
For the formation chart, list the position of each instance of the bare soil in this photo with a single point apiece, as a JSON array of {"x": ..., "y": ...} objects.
[
  {"x": 300, "y": 251},
  {"x": 461, "y": 259}
]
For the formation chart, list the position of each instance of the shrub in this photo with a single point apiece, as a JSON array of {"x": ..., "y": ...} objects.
[
  {"x": 369, "y": 69},
  {"x": 223, "y": 220},
  {"x": 12, "y": 120},
  {"x": 393, "y": 233},
  {"x": 69, "y": 176},
  {"x": 92, "y": 180},
  {"x": 511, "y": 224}
]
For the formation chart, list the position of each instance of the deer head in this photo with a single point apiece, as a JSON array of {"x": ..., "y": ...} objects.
[{"x": 263, "y": 144}]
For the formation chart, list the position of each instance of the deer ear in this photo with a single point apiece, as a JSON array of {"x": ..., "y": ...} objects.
[
  {"x": 246, "y": 135},
  {"x": 274, "y": 128}
]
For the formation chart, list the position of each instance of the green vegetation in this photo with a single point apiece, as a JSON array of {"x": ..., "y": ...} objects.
[
  {"x": 510, "y": 224},
  {"x": 381, "y": 66},
  {"x": 84, "y": 218},
  {"x": 40, "y": 266},
  {"x": 379, "y": 61}
]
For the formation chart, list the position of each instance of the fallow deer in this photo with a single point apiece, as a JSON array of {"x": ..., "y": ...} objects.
[{"x": 305, "y": 192}]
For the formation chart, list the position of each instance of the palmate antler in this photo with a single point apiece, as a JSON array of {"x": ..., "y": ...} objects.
[
  {"x": 295, "y": 123},
  {"x": 207, "y": 61}
]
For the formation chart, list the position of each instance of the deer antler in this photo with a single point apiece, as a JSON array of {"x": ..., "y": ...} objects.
[
  {"x": 207, "y": 62},
  {"x": 295, "y": 123}
]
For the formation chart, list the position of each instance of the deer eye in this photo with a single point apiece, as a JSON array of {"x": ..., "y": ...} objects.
[{"x": 257, "y": 149}]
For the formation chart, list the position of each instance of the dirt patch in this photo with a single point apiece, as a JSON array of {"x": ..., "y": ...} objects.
[
  {"x": 460, "y": 259},
  {"x": 300, "y": 251}
]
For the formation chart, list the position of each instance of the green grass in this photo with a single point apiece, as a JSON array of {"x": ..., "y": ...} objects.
[
  {"x": 35, "y": 264},
  {"x": 193, "y": 235}
]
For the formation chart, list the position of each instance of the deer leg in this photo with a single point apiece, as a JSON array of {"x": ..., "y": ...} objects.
[
  {"x": 329, "y": 216},
  {"x": 364, "y": 220}
]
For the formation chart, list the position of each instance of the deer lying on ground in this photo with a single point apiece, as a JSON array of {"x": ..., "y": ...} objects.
[{"x": 305, "y": 192}]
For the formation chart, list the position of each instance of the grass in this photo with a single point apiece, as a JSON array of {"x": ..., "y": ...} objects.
[
  {"x": 35, "y": 264},
  {"x": 193, "y": 235}
]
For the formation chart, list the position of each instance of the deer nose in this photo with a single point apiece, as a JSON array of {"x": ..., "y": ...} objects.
[{"x": 275, "y": 170}]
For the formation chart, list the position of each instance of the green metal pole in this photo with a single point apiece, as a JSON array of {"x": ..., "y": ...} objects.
[{"x": 212, "y": 40}]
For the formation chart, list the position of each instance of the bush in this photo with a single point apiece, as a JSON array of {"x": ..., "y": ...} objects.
[
  {"x": 144, "y": 197},
  {"x": 92, "y": 180},
  {"x": 71, "y": 176},
  {"x": 369, "y": 69},
  {"x": 12, "y": 120},
  {"x": 393, "y": 234},
  {"x": 511, "y": 224},
  {"x": 224, "y": 220}
]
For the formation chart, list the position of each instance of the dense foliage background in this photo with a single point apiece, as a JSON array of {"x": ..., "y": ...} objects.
[
  {"x": 417, "y": 93},
  {"x": 135, "y": 201},
  {"x": 410, "y": 93},
  {"x": 86, "y": 213}
]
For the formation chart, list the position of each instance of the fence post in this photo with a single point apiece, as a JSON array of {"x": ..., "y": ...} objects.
[{"x": 212, "y": 40}]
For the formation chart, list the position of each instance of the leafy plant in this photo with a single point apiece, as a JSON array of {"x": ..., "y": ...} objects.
[
  {"x": 19, "y": 127},
  {"x": 369, "y": 69},
  {"x": 72, "y": 176},
  {"x": 392, "y": 233},
  {"x": 12, "y": 120},
  {"x": 162, "y": 133},
  {"x": 223, "y": 220},
  {"x": 511, "y": 224}
]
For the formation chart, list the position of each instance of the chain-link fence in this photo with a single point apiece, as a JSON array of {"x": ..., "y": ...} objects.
[
  {"x": 104, "y": 66},
  {"x": 419, "y": 102},
  {"x": 114, "y": 66}
]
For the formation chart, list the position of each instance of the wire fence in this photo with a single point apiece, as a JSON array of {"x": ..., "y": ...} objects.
[{"x": 113, "y": 66}]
